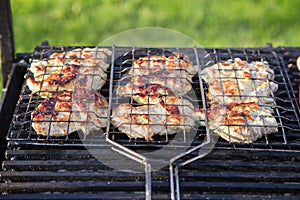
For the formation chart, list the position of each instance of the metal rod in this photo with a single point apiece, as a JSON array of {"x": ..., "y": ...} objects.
[
  {"x": 172, "y": 182},
  {"x": 276, "y": 107},
  {"x": 177, "y": 183},
  {"x": 204, "y": 151},
  {"x": 128, "y": 155},
  {"x": 208, "y": 139},
  {"x": 122, "y": 149},
  {"x": 202, "y": 92},
  {"x": 133, "y": 153},
  {"x": 148, "y": 181},
  {"x": 139, "y": 156},
  {"x": 113, "y": 53}
]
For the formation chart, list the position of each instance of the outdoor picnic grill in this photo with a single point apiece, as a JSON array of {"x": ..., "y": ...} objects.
[{"x": 107, "y": 164}]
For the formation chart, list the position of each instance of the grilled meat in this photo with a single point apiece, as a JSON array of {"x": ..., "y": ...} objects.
[
  {"x": 61, "y": 71},
  {"x": 173, "y": 73},
  {"x": 165, "y": 117},
  {"x": 175, "y": 82},
  {"x": 239, "y": 81},
  {"x": 66, "y": 112},
  {"x": 147, "y": 94},
  {"x": 78, "y": 57},
  {"x": 240, "y": 122},
  {"x": 239, "y": 94},
  {"x": 241, "y": 90},
  {"x": 238, "y": 69},
  {"x": 155, "y": 80},
  {"x": 155, "y": 64}
]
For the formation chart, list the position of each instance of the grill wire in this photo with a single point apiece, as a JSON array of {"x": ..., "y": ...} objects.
[
  {"x": 121, "y": 77},
  {"x": 286, "y": 110}
]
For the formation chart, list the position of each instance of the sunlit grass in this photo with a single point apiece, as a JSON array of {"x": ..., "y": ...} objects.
[{"x": 212, "y": 23}]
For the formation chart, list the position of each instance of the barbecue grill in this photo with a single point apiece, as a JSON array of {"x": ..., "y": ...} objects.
[{"x": 114, "y": 166}]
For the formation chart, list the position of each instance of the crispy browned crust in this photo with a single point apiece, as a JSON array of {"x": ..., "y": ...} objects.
[
  {"x": 157, "y": 82},
  {"x": 62, "y": 70},
  {"x": 153, "y": 64},
  {"x": 239, "y": 94},
  {"x": 60, "y": 114},
  {"x": 167, "y": 116}
]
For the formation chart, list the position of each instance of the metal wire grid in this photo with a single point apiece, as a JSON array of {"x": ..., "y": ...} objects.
[
  {"x": 287, "y": 138},
  {"x": 285, "y": 114},
  {"x": 21, "y": 126},
  {"x": 118, "y": 146},
  {"x": 285, "y": 109},
  {"x": 121, "y": 78}
]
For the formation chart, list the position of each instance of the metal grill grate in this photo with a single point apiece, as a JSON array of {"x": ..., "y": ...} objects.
[
  {"x": 121, "y": 78},
  {"x": 285, "y": 108},
  {"x": 83, "y": 71},
  {"x": 183, "y": 176}
]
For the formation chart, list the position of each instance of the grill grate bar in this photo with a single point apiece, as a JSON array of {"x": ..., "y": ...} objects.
[
  {"x": 20, "y": 128},
  {"x": 218, "y": 173},
  {"x": 32, "y": 163}
]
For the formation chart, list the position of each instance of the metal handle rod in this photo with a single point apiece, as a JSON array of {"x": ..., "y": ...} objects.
[
  {"x": 208, "y": 139},
  {"x": 148, "y": 181},
  {"x": 206, "y": 149},
  {"x": 120, "y": 148},
  {"x": 177, "y": 183},
  {"x": 172, "y": 182}
]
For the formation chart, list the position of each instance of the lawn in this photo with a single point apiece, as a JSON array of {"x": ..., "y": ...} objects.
[{"x": 212, "y": 23}]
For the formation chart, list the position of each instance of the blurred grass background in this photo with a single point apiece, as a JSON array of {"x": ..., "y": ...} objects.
[{"x": 212, "y": 23}]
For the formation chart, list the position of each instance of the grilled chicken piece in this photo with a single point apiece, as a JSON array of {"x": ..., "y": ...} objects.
[
  {"x": 240, "y": 122},
  {"x": 164, "y": 117},
  {"x": 176, "y": 82},
  {"x": 239, "y": 81},
  {"x": 239, "y": 93},
  {"x": 155, "y": 80},
  {"x": 65, "y": 112},
  {"x": 66, "y": 80},
  {"x": 62, "y": 70},
  {"x": 145, "y": 94},
  {"x": 78, "y": 57},
  {"x": 224, "y": 91},
  {"x": 152, "y": 64},
  {"x": 238, "y": 69},
  {"x": 171, "y": 72}
]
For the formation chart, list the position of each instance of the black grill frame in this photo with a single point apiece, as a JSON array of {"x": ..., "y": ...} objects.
[
  {"x": 218, "y": 175},
  {"x": 287, "y": 105}
]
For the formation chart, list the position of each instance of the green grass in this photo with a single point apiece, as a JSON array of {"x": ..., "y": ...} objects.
[{"x": 212, "y": 23}]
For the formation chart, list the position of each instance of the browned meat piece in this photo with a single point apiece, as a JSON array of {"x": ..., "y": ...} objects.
[
  {"x": 171, "y": 72},
  {"x": 175, "y": 82},
  {"x": 152, "y": 64},
  {"x": 240, "y": 122},
  {"x": 164, "y": 117},
  {"x": 62, "y": 114},
  {"x": 62, "y": 71},
  {"x": 225, "y": 90},
  {"x": 240, "y": 96},
  {"x": 239, "y": 81}
]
